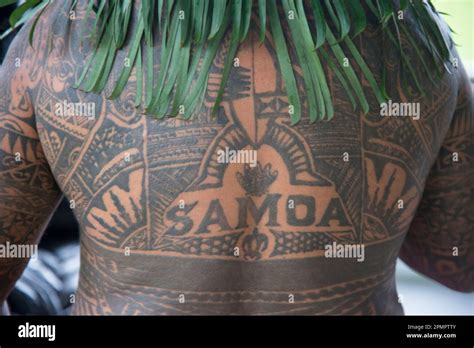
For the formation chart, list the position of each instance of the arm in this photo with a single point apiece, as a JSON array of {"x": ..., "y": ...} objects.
[
  {"x": 28, "y": 192},
  {"x": 440, "y": 243}
]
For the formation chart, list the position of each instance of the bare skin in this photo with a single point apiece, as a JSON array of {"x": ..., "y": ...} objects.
[{"x": 161, "y": 219}]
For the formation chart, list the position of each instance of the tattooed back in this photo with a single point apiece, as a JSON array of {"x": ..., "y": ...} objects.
[{"x": 243, "y": 213}]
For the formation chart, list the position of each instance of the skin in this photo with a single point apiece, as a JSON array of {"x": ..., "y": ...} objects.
[{"x": 161, "y": 219}]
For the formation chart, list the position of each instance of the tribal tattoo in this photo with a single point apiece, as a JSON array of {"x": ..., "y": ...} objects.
[
  {"x": 167, "y": 227},
  {"x": 28, "y": 192}
]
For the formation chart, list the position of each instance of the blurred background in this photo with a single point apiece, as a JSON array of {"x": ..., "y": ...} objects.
[
  {"x": 418, "y": 294},
  {"x": 47, "y": 284},
  {"x": 459, "y": 14}
]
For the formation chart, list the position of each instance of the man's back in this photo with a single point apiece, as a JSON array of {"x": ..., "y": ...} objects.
[{"x": 244, "y": 213}]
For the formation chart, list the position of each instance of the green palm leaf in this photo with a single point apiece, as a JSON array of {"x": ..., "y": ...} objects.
[{"x": 191, "y": 32}]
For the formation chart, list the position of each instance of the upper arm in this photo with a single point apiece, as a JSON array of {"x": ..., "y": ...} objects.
[
  {"x": 440, "y": 242},
  {"x": 28, "y": 192}
]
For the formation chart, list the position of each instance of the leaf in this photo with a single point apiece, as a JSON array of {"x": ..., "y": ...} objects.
[
  {"x": 218, "y": 11},
  {"x": 348, "y": 71},
  {"x": 386, "y": 10},
  {"x": 197, "y": 93},
  {"x": 342, "y": 16},
  {"x": 234, "y": 44},
  {"x": 313, "y": 96},
  {"x": 357, "y": 12},
  {"x": 262, "y": 12},
  {"x": 190, "y": 44},
  {"x": 132, "y": 56},
  {"x": 285, "y": 62},
  {"x": 35, "y": 22},
  {"x": 318, "y": 75},
  {"x": 246, "y": 14},
  {"x": 4, "y": 3},
  {"x": 187, "y": 22},
  {"x": 88, "y": 11},
  {"x": 200, "y": 8},
  {"x": 139, "y": 72},
  {"x": 365, "y": 70},
  {"x": 334, "y": 68},
  {"x": 168, "y": 53},
  {"x": 101, "y": 60},
  {"x": 20, "y": 11}
]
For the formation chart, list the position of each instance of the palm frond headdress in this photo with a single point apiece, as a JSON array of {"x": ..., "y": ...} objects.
[{"x": 191, "y": 32}]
